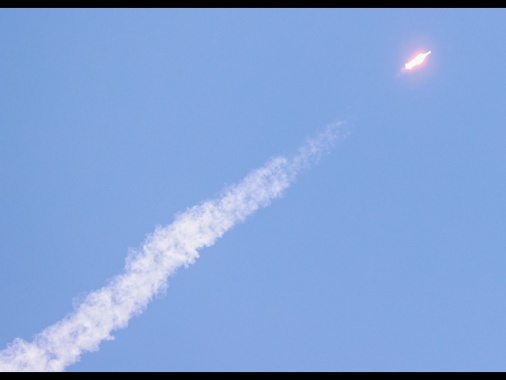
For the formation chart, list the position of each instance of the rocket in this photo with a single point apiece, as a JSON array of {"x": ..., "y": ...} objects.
[{"x": 417, "y": 61}]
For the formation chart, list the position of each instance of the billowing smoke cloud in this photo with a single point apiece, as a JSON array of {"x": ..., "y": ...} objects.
[{"x": 147, "y": 269}]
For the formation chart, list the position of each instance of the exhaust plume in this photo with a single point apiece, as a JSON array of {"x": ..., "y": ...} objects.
[
  {"x": 163, "y": 252},
  {"x": 416, "y": 61}
]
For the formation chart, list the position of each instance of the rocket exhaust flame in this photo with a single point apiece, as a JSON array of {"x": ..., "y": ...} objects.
[{"x": 417, "y": 61}]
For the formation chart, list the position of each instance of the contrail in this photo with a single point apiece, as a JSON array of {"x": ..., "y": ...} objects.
[{"x": 163, "y": 252}]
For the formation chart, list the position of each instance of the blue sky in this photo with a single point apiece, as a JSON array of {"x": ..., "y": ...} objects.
[{"x": 386, "y": 256}]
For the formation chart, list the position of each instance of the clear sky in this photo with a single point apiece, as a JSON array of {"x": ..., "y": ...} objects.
[{"x": 388, "y": 255}]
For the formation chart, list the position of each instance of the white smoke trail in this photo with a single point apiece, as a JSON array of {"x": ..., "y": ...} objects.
[{"x": 146, "y": 271}]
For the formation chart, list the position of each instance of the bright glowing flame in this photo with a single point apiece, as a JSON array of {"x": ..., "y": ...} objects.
[{"x": 417, "y": 61}]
